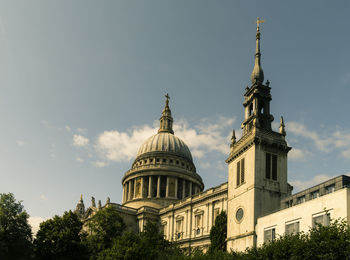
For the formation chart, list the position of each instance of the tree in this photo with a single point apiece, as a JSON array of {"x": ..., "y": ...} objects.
[
  {"x": 149, "y": 244},
  {"x": 60, "y": 238},
  {"x": 329, "y": 242},
  {"x": 104, "y": 227},
  {"x": 322, "y": 242},
  {"x": 15, "y": 232},
  {"x": 218, "y": 233}
]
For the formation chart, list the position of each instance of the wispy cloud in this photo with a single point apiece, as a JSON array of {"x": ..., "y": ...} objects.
[
  {"x": 20, "y": 142},
  {"x": 99, "y": 164},
  {"x": 122, "y": 146},
  {"x": 35, "y": 223},
  {"x": 81, "y": 130},
  {"x": 302, "y": 184},
  {"x": 345, "y": 78},
  {"x": 337, "y": 141},
  {"x": 80, "y": 141},
  {"x": 205, "y": 137},
  {"x": 299, "y": 155},
  {"x": 79, "y": 159},
  {"x": 300, "y": 129},
  {"x": 43, "y": 197}
]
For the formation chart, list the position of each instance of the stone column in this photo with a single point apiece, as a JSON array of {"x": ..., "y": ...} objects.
[
  {"x": 134, "y": 195},
  {"x": 158, "y": 187},
  {"x": 124, "y": 191},
  {"x": 141, "y": 187},
  {"x": 129, "y": 193},
  {"x": 167, "y": 187},
  {"x": 190, "y": 188},
  {"x": 176, "y": 186},
  {"x": 149, "y": 186},
  {"x": 183, "y": 188}
]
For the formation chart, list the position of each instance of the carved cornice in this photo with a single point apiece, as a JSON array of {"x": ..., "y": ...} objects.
[
  {"x": 261, "y": 137},
  {"x": 220, "y": 191}
]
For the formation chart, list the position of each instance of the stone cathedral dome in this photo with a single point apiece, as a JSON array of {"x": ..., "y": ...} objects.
[
  {"x": 165, "y": 142},
  {"x": 163, "y": 170}
]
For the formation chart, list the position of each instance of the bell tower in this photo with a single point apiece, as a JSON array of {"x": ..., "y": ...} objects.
[
  {"x": 257, "y": 97},
  {"x": 257, "y": 164}
]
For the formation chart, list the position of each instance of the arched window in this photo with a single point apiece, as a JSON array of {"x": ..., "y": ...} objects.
[
  {"x": 262, "y": 109},
  {"x": 250, "y": 109}
]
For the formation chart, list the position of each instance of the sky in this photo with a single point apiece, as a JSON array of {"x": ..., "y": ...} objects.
[{"x": 82, "y": 86}]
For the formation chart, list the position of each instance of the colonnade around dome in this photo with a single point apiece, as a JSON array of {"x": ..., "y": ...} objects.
[{"x": 158, "y": 186}]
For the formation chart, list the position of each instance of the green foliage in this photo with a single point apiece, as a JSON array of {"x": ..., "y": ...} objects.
[
  {"x": 322, "y": 242},
  {"x": 15, "y": 232},
  {"x": 149, "y": 244},
  {"x": 218, "y": 233},
  {"x": 104, "y": 227},
  {"x": 329, "y": 242},
  {"x": 60, "y": 238}
]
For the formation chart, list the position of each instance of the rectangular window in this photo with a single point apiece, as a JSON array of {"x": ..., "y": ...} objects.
[
  {"x": 301, "y": 199},
  {"x": 292, "y": 228},
  {"x": 330, "y": 189},
  {"x": 268, "y": 166},
  {"x": 198, "y": 221},
  {"x": 198, "y": 224},
  {"x": 240, "y": 172},
  {"x": 324, "y": 220},
  {"x": 314, "y": 194},
  {"x": 179, "y": 228},
  {"x": 271, "y": 166},
  {"x": 269, "y": 235},
  {"x": 179, "y": 225},
  {"x": 216, "y": 213},
  {"x": 274, "y": 167},
  {"x": 164, "y": 229},
  {"x": 289, "y": 203}
]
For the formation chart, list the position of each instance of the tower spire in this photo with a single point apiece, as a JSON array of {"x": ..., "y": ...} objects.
[
  {"x": 282, "y": 127},
  {"x": 257, "y": 74},
  {"x": 166, "y": 120},
  {"x": 80, "y": 208}
]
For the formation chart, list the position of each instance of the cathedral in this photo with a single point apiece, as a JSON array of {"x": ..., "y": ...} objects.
[{"x": 163, "y": 184}]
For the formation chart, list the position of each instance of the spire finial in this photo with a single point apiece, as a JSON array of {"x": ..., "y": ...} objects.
[
  {"x": 258, "y": 22},
  {"x": 282, "y": 127},
  {"x": 166, "y": 121},
  {"x": 233, "y": 138},
  {"x": 257, "y": 74},
  {"x": 81, "y": 197},
  {"x": 167, "y": 99}
]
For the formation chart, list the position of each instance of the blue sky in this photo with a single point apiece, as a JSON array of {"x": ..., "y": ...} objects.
[{"x": 83, "y": 83}]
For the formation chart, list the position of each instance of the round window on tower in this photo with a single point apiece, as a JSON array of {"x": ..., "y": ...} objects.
[{"x": 239, "y": 214}]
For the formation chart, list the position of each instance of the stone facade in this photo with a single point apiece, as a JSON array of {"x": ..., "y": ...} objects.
[{"x": 163, "y": 185}]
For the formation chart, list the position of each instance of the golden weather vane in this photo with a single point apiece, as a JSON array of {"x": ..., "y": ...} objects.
[{"x": 258, "y": 22}]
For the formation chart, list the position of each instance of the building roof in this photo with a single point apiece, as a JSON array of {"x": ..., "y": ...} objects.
[{"x": 165, "y": 142}]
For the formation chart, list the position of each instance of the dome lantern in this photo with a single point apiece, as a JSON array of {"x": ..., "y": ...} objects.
[{"x": 166, "y": 121}]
